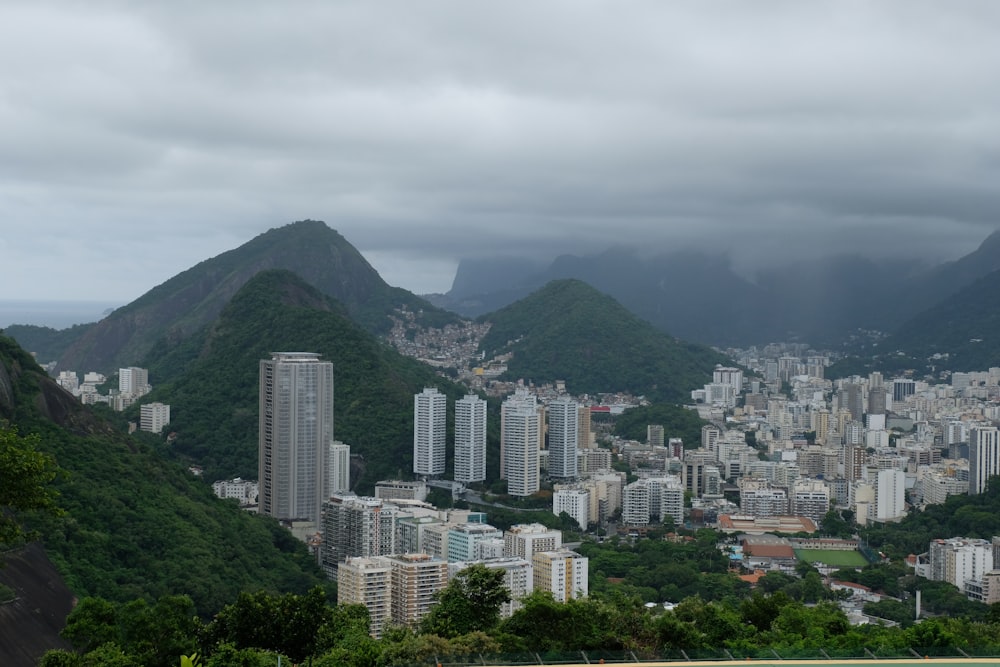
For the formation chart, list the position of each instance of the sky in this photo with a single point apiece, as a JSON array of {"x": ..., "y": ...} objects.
[{"x": 138, "y": 139}]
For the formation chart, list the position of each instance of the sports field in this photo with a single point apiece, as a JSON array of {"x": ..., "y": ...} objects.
[{"x": 831, "y": 557}]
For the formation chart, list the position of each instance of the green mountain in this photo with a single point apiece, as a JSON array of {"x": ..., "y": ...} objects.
[
  {"x": 212, "y": 380},
  {"x": 965, "y": 326},
  {"x": 190, "y": 300},
  {"x": 135, "y": 523},
  {"x": 46, "y": 343},
  {"x": 569, "y": 331}
]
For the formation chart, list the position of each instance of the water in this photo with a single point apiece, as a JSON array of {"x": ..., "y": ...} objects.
[{"x": 55, "y": 314}]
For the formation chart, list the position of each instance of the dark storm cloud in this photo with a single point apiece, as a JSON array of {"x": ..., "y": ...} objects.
[{"x": 165, "y": 133}]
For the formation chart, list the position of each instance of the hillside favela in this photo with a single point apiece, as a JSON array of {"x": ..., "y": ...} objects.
[{"x": 290, "y": 460}]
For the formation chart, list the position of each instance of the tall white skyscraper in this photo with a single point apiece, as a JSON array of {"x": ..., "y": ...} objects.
[
  {"x": 563, "y": 423},
  {"x": 470, "y": 439},
  {"x": 430, "y": 411},
  {"x": 339, "y": 462},
  {"x": 295, "y": 431},
  {"x": 520, "y": 433},
  {"x": 133, "y": 381},
  {"x": 984, "y": 457}
]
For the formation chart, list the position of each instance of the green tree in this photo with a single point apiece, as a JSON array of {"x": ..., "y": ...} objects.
[
  {"x": 25, "y": 478},
  {"x": 470, "y": 602}
]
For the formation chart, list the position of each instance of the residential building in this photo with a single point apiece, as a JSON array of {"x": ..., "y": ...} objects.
[
  {"x": 295, "y": 430},
  {"x": 563, "y": 437},
  {"x": 237, "y": 488},
  {"x": 464, "y": 540},
  {"x": 520, "y": 432},
  {"x": 133, "y": 381},
  {"x": 367, "y": 581},
  {"x": 526, "y": 539},
  {"x": 575, "y": 501},
  {"x": 518, "y": 578},
  {"x": 356, "y": 526},
  {"x": 562, "y": 572},
  {"x": 415, "y": 580},
  {"x": 153, "y": 417},
  {"x": 430, "y": 411},
  {"x": 339, "y": 462},
  {"x": 984, "y": 457},
  {"x": 470, "y": 439}
]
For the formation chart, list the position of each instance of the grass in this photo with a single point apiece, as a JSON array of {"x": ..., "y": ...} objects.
[{"x": 831, "y": 557}]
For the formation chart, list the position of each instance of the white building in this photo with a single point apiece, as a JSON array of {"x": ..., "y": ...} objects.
[
  {"x": 430, "y": 411},
  {"x": 526, "y": 539},
  {"x": 238, "y": 489},
  {"x": 518, "y": 578},
  {"x": 520, "y": 434},
  {"x": 153, "y": 417},
  {"x": 133, "y": 381},
  {"x": 984, "y": 457},
  {"x": 339, "y": 461},
  {"x": 890, "y": 495},
  {"x": 295, "y": 430},
  {"x": 464, "y": 538},
  {"x": 563, "y": 437},
  {"x": 470, "y": 439},
  {"x": 575, "y": 501}
]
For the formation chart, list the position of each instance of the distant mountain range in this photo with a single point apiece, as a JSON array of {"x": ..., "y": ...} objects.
[{"x": 700, "y": 297}]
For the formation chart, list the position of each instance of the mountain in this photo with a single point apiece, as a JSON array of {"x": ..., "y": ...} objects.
[
  {"x": 212, "y": 382},
  {"x": 570, "y": 331},
  {"x": 190, "y": 300},
  {"x": 45, "y": 343},
  {"x": 135, "y": 523},
  {"x": 965, "y": 326},
  {"x": 699, "y": 296}
]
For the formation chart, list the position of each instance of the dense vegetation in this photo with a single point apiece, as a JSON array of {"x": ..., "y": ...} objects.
[
  {"x": 212, "y": 388},
  {"x": 570, "y": 331},
  {"x": 135, "y": 525},
  {"x": 464, "y": 628},
  {"x": 46, "y": 343},
  {"x": 678, "y": 422},
  {"x": 193, "y": 299}
]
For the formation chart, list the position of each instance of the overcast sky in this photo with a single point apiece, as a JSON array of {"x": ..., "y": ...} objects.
[{"x": 137, "y": 139}]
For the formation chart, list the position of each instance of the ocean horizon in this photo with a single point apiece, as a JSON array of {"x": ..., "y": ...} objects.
[{"x": 54, "y": 314}]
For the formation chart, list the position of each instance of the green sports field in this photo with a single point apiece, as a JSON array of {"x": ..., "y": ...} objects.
[{"x": 832, "y": 557}]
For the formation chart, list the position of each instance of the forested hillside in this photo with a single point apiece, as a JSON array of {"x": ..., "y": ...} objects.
[
  {"x": 570, "y": 331},
  {"x": 212, "y": 380},
  {"x": 134, "y": 524}
]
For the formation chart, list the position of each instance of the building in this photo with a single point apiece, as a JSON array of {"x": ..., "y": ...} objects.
[
  {"x": 339, "y": 462},
  {"x": 393, "y": 489},
  {"x": 464, "y": 540},
  {"x": 356, "y": 526},
  {"x": 759, "y": 499},
  {"x": 295, "y": 431},
  {"x": 563, "y": 438},
  {"x": 562, "y": 572},
  {"x": 526, "y": 539},
  {"x": 366, "y": 581},
  {"x": 575, "y": 501},
  {"x": 518, "y": 578},
  {"x": 520, "y": 433},
  {"x": 890, "y": 495},
  {"x": 958, "y": 560},
  {"x": 810, "y": 498},
  {"x": 470, "y": 439},
  {"x": 654, "y": 435},
  {"x": 430, "y": 412},
  {"x": 153, "y": 417},
  {"x": 984, "y": 457},
  {"x": 238, "y": 489},
  {"x": 414, "y": 580},
  {"x": 133, "y": 381}
]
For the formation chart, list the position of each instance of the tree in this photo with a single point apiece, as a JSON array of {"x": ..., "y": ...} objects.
[
  {"x": 25, "y": 477},
  {"x": 470, "y": 602}
]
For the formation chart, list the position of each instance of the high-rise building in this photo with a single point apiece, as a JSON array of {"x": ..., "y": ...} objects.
[
  {"x": 153, "y": 417},
  {"x": 524, "y": 540},
  {"x": 295, "y": 431},
  {"x": 654, "y": 435},
  {"x": 415, "y": 580},
  {"x": 339, "y": 460},
  {"x": 520, "y": 429},
  {"x": 470, "y": 439},
  {"x": 903, "y": 388},
  {"x": 563, "y": 437},
  {"x": 356, "y": 526},
  {"x": 133, "y": 381},
  {"x": 585, "y": 429},
  {"x": 430, "y": 411},
  {"x": 366, "y": 581},
  {"x": 890, "y": 495},
  {"x": 575, "y": 502},
  {"x": 984, "y": 457}
]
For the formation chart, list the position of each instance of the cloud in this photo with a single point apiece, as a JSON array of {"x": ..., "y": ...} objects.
[{"x": 425, "y": 133}]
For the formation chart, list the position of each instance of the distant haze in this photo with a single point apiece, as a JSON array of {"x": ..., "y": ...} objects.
[{"x": 141, "y": 138}]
